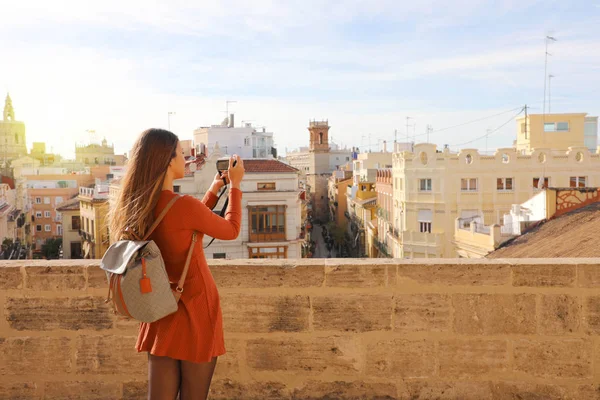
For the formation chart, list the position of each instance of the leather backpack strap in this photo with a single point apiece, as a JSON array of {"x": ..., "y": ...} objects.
[
  {"x": 161, "y": 216},
  {"x": 186, "y": 267}
]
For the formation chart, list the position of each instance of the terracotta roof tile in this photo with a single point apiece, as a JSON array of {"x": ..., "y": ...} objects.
[
  {"x": 69, "y": 205},
  {"x": 9, "y": 181},
  {"x": 574, "y": 234},
  {"x": 255, "y": 165}
]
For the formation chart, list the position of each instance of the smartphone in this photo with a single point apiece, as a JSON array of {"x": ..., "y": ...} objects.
[{"x": 223, "y": 164}]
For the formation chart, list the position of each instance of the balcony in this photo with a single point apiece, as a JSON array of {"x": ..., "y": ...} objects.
[
  {"x": 267, "y": 237},
  {"x": 322, "y": 329},
  {"x": 383, "y": 248}
]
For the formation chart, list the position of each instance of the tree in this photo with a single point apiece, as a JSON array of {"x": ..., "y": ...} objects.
[{"x": 51, "y": 249}]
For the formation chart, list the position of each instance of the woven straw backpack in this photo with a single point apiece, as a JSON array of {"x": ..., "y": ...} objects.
[{"x": 138, "y": 284}]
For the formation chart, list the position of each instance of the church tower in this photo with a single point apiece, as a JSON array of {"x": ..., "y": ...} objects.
[
  {"x": 319, "y": 136},
  {"x": 9, "y": 112}
]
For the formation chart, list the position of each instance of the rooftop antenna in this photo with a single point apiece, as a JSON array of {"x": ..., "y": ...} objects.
[
  {"x": 548, "y": 39},
  {"x": 407, "y": 140},
  {"x": 550, "y": 76}
]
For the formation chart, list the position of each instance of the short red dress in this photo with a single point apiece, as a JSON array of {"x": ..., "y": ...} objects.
[{"x": 195, "y": 331}]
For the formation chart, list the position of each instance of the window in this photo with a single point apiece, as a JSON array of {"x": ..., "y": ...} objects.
[
  {"x": 58, "y": 200},
  {"x": 47, "y": 228},
  {"x": 38, "y": 214},
  {"x": 47, "y": 214},
  {"x": 468, "y": 184},
  {"x": 320, "y": 137},
  {"x": 75, "y": 223},
  {"x": 536, "y": 183},
  {"x": 38, "y": 200},
  {"x": 219, "y": 255},
  {"x": 267, "y": 252},
  {"x": 425, "y": 217},
  {"x": 265, "y": 186},
  {"x": 504, "y": 184},
  {"x": 347, "y": 158},
  {"x": 577, "y": 181},
  {"x": 556, "y": 127},
  {"x": 59, "y": 230},
  {"x": 38, "y": 228},
  {"x": 425, "y": 227},
  {"x": 46, "y": 200},
  {"x": 176, "y": 188},
  {"x": 425, "y": 185},
  {"x": 92, "y": 231},
  {"x": 267, "y": 223},
  {"x": 246, "y": 143}
]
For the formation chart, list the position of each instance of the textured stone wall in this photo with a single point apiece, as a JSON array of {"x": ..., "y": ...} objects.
[{"x": 324, "y": 329}]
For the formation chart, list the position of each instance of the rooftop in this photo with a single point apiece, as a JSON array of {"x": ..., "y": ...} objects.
[
  {"x": 259, "y": 165},
  {"x": 574, "y": 234},
  {"x": 69, "y": 205}
]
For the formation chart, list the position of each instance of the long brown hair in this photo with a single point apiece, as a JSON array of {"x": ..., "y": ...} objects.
[{"x": 132, "y": 210}]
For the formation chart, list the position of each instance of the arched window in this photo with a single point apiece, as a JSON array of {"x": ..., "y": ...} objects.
[{"x": 320, "y": 137}]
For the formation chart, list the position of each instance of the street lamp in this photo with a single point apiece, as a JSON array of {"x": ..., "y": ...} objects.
[{"x": 169, "y": 117}]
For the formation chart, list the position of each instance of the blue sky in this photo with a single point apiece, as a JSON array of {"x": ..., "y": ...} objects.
[{"x": 119, "y": 67}]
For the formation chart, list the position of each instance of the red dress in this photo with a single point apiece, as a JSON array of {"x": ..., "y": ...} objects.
[{"x": 195, "y": 331}]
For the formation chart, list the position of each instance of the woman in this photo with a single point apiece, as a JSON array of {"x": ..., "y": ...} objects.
[{"x": 182, "y": 347}]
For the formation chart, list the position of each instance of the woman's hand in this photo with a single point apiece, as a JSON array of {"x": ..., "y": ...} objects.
[
  {"x": 236, "y": 174},
  {"x": 218, "y": 183}
]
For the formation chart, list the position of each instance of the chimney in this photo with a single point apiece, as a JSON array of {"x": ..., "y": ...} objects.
[
  {"x": 231, "y": 124},
  {"x": 385, "y": 146}
]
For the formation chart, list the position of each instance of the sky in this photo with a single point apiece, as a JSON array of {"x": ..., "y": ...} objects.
[{"x": 119, "y": 67}]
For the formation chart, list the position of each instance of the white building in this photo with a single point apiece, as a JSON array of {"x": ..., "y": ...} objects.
[
  {"x": 246, "y": 141},
  {"x": 271, "y": 214}
]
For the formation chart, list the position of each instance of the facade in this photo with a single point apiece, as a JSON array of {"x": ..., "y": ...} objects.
[
  {"x": 46, "y": 193},
  {"x": 7, "y": 205},
  {"x": 362, "y": 208},
  {"x": 316, "y": 166},
  {"x": 97, "y": 154},
  {"x": 338, "y": 185},
  {"x": 12, "y": 135},
  {"x": 71, "y": 223},
  {"x": 38, "y": 151},
  {"x": 271, "y": 214},
  {"x": 246, "y": 141},
  {"x": 433, "y": 188},
  {"x": 383, "y": 230},
  {"x": 366, "y": 165},
  {"x": 94, "y": 225}
]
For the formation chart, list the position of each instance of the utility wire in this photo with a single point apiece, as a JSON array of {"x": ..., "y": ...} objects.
[
  {"x": 469, "y": 122},
  {"x": 491, "y": 132}
]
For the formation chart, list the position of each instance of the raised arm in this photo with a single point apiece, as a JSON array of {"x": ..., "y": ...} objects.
[{"x": 200, "y": 218}]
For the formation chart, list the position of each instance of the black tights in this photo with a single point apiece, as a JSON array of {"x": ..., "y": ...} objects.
[{"x": 167, "y": 377}]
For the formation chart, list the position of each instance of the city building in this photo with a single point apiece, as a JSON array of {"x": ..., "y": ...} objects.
[
  {"x": 362, "y": 208},
  {"x": 38, "y": 151},
  {"x": 12, "y": 136},
  {"x": 271, "y": 214},
  {"x": 337, "y": 187},
  {"x": 98, "y": 154},
  {"x": 317, "y": 164},
  {"x": 246, "y": 141},
  {"x": 381, "y": 233},
  {"x": 590, "y": 136},
  {"x": 474, "y": 239},
  {"x": 71, "y": 223},
  {"x": 93, "y": 210},
  {"x": 432, "y": 188},
  {"x": 46, "y": 193}
]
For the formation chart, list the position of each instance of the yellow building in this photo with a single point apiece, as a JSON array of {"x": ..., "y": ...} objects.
[
  {"x": 337, "y": 187},
  {"x": 555, "y": 131},
  {"x": 97, "y": 154},
  {"x": 12, "y": 135},
  {"x": 432, "y": 188},
  {"x": 71, "y": 223},
  {"x": 94, "y": 228},
  {"x": 362, "y": 207}
]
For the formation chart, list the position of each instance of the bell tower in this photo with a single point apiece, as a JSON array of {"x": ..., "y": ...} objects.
[
  {"x": 9, "y": 112},
  {"x": 319, "y": 136}
]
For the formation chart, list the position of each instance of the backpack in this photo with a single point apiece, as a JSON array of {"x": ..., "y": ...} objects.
[{"x": 138, "y": 284}]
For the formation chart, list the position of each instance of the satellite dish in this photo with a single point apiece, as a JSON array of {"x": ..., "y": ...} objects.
[{"x": 193, "y": 167}]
